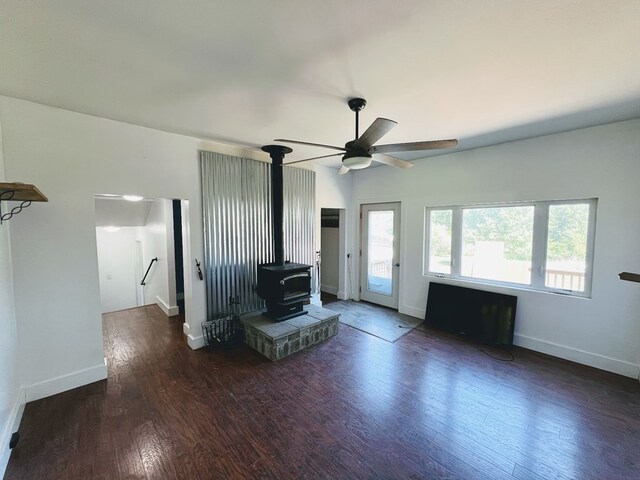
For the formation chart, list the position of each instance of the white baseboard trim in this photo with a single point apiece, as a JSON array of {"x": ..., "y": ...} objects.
[
  {"x": 13, "y": 423},
  {"x": 329, "y": 289},
  {"x": 60, "y": 384},
  {"x": 602, "y": 362},
  {"x": 342, "y": 295},
  {"x": 170, "y": 311},
  {"x": 413, "y": 311},
  {"x": 195, "y": 342},
  {"x": 595, "y": 360}
]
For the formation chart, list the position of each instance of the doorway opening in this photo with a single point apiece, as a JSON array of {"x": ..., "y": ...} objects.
[
  {"x": 178, "y": 256},
  {"x": 140, "y": 253},
  {"x": 332, "y": 255}
]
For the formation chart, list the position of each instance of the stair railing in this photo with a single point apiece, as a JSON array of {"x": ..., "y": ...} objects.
[{"x": 145, "y": 275}]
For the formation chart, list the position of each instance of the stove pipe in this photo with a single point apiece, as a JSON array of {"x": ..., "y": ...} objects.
[{"x": 277, "y": 153}]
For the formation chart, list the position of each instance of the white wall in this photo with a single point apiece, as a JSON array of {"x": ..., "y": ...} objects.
[
  {"x": 11, "y": 398},
  {"x": 601, "y": 162},
  {"x": 71, "y": 157},
  {"x": 330, "y": 248},
  {"x": 116, "y": 266},
  {"x": 157, "y": 242}
]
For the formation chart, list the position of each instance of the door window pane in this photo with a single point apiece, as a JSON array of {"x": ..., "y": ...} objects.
[
  {"x": 380, "y": 252},
  {"x": 497, "y": 243},
  {"x": 567, "y": 246},
  {"x": 440, "y": 241}
]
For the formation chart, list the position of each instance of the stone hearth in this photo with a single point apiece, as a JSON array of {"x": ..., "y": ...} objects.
[{"x": 277, "y": 340}]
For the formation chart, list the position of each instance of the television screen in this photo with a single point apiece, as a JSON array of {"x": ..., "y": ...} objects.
[{"x": 483, "y": 316}]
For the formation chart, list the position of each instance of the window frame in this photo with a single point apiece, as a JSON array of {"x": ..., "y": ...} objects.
[{"x": 538, "y": 251}]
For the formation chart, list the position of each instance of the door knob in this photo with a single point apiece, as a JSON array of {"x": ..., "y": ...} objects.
[{"x": 396, "y": 264}]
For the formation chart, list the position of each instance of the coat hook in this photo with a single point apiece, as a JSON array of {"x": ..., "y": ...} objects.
[{"x": 199, "y": 271}]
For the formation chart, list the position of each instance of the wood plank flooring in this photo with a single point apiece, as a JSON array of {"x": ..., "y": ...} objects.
[{"x": 428, "y": 406}]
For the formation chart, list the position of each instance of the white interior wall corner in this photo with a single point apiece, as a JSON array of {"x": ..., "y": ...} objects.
[{"x": 597, "y": 162}]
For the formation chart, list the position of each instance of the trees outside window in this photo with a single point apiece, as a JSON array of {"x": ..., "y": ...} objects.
[{"x": 546, "y": 245}]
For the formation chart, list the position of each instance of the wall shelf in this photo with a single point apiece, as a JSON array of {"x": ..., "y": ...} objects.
[
  {"x": 19, "y": 192},
  {"x": 630, "y": 277}
]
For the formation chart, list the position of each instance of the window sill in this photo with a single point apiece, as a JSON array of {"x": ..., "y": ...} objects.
[{"x": 509, "y": 286}]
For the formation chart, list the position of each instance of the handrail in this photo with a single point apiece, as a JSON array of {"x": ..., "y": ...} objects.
[
  {"x": 291, "y": 277},
  {"x": 145, "y": 275}
]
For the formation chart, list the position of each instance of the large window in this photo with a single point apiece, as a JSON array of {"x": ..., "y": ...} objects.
[{"x": 541, "y": 245}]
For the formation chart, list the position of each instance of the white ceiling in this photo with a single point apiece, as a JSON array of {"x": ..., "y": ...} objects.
[{"x": 246, "y": 72}]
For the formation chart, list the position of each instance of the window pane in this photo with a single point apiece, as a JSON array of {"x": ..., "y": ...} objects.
[
  {"x": 497, "y": 243},
  {"x": 440, "y": 241},
  {"x": 380, "y": 253},
  {"x": 567, "y": 246}
]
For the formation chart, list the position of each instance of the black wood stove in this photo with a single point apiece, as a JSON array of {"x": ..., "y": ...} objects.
[{"x": 283, "y": 285}]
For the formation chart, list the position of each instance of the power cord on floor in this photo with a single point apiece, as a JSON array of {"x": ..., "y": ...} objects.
[{"x": 513, "y": 357}]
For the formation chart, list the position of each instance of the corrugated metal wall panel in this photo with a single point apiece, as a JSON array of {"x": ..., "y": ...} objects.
[
  {"x": 299, "y": 215},
  {"x": 236, "y": 205}
]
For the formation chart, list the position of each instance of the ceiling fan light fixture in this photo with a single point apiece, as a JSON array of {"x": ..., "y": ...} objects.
[
  {"x": 132, "y": 198},
  {"x": 357, "y": 161}
]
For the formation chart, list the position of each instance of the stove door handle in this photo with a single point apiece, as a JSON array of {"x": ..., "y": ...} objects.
[{"x": 297, "y": 275}]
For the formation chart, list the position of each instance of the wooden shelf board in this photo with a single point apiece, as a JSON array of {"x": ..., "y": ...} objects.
[
  {"x": 630, "y": 277},
  {"x": 24, "y": 192}
]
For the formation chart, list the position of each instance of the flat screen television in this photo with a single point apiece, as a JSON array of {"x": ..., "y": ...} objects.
[{"x": 486, "y": 317}]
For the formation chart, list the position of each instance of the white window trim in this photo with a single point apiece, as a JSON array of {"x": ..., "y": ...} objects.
[{"x": 539, "y": 245}]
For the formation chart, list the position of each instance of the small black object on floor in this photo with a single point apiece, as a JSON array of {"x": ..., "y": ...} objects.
[
  {"x": 15, "y": 438},
  {"x": 226, "y": 330}
]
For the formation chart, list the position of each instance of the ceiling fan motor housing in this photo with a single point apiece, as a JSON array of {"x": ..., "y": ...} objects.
[{"x": 357, "y": 104}]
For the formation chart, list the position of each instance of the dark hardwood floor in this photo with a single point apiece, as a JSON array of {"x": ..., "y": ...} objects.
[{"x": 428, "y": 406}]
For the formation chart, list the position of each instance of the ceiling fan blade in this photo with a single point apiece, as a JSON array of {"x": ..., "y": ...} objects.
[
  {"x": 313, "y": 158},
  {"x": 343, "y": 170},
  {"x": 375, "y": 132},
  {"x": 342, "y": 149},
  {"x": 415, "y": 146},
  {"x": 393, "y": 161}
]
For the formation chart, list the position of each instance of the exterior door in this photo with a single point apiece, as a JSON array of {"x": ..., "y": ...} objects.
[{"x": 380, "y": 253}]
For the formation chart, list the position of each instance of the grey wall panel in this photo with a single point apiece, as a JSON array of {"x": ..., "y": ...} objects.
[
  {"x": 236, "y": 204},
  {"x": 299, "y": 215}
]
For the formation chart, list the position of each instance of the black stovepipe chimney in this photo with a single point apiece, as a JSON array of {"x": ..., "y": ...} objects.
[{"x": 277, "y": 153}]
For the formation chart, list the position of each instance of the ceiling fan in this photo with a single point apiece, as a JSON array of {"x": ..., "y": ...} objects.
[{"x": 359, "y": 153}]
